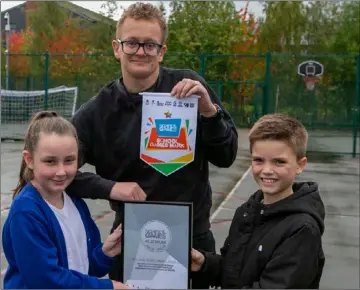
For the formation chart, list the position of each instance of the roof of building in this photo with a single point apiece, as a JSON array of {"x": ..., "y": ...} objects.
[{"x": 81, "y": 11}]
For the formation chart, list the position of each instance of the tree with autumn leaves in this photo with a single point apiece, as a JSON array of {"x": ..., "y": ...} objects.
[
  {"x": 60, "y": 34},
  {"x": 54, "y": 30},
  {"x": 246, "y": 68},
  {"x": 19, "y": 64}
]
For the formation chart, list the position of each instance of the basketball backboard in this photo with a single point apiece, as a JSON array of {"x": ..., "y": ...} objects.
[{"x": 310, "y": 68}]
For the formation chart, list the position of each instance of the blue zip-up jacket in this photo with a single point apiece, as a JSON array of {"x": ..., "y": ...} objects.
[{"x": 35, "y": 249}]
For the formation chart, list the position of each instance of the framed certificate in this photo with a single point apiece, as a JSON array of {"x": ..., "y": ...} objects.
[{"x": 156, "y": 245}]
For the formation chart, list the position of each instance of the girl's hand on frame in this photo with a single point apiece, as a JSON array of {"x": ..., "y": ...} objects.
[
  {"x": 112, "y": 244},
  {"x": 119, "y": 285}
]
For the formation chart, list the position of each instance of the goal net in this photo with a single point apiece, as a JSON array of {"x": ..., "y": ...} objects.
[{"x": 17, "y": 108}]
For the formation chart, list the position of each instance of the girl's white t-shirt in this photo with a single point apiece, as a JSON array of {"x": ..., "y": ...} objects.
[{"x": 74, "y": 233}]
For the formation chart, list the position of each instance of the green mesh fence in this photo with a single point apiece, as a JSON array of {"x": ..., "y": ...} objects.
[{"x": 249, "y": 86}]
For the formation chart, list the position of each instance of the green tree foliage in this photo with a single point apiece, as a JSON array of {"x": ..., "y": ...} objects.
[
  {"x": 99, "y": 36},
  {"x": 284, "y": 26},
  {"x": 206, "y": 27},
  {"x": 320, "y": 24},
  {"x": 341, "y": 72},
  {"x": 202, "y": 27}
]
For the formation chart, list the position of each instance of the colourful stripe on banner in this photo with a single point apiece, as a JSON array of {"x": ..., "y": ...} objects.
[
  {"x": 149, "y": 159},
  {"x": 168, "y": 168},
  {"x": 183, "y": 159}
]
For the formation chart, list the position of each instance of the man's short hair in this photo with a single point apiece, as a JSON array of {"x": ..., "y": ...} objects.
[
  {"x": 144, "y": 11},
  {"x": 280, "y": 127}
]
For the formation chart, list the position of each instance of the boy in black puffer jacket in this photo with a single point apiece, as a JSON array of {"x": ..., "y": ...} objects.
[{"x": 275, "y": 237}]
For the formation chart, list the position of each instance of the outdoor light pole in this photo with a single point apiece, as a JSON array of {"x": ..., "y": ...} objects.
[{"x": 7, "y": 31}]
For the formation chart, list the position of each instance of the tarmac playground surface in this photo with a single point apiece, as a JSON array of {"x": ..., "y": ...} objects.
[{"x": 337, "y": 176}]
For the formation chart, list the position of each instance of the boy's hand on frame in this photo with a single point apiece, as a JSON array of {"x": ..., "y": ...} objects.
[{"x": 197, "y": 260}]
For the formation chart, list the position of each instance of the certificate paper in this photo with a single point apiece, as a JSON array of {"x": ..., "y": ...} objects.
[{"x": 157, "y": 245}]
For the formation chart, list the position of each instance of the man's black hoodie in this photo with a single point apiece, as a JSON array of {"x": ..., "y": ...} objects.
[
  {"x": 272, "y": 246},
  {"x": 109, "y": 128}
]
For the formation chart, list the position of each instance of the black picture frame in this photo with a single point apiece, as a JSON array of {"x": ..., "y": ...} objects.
[{"x": 190, "y": 226}]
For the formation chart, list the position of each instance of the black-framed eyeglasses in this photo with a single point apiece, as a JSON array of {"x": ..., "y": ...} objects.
[{"x": 131, "y": 47}]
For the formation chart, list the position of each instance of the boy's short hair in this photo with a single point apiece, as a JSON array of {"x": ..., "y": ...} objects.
[
  {"x": 280, "y": 127},
  {"x": 144, "y": 11}
]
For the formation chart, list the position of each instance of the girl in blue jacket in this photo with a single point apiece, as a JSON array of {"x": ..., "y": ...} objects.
[{"x": 50, "y": 239}]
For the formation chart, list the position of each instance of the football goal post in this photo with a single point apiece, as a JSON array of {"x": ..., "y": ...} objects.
[{"x": 17, "y": 107}]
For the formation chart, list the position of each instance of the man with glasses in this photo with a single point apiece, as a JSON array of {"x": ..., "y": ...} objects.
[{"x": 109, "y": 127}]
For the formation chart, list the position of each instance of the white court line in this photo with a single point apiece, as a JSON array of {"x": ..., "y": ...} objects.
[{"x": 231, "y": 193}]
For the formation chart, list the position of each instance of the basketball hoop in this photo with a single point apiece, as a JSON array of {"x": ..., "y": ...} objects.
[
  {"x": 310, "y": 82},
  {"x": 311, "y": 71}
]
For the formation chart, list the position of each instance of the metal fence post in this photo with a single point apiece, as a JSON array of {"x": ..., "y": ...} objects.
[
  {"x": 356, "y": 103},
  {"x": 265, "y": 100},
  {"x": 27, "y": 82},
  {"x": 202, "y": 65},
  {"x": 255, "y": 110},
  {"x": 221, "y": 90},
  {"x": 46, "y": 81}
]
